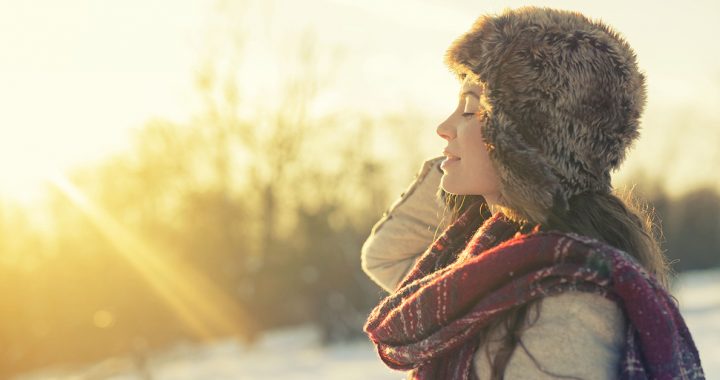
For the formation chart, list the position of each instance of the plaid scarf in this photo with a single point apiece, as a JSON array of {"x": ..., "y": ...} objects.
[{"x": 477, "y": 270}]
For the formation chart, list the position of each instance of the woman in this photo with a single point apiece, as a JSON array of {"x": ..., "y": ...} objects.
[{"x": 541, "y": 271}]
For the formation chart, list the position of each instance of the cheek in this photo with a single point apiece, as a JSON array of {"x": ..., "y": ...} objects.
[
  {"x": 479, "y": 165},
  {"x": 474, "y": 147}
]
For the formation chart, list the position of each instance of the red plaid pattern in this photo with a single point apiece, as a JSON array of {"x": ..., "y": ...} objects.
[{"x": 479, "y": 269}]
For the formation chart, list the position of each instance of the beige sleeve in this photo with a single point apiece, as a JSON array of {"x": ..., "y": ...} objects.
[
  {"x": 406, "y": 229},
  {"x": 577, "y": 334}
]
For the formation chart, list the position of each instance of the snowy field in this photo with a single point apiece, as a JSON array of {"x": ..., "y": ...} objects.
[{"x": 295, "y": 354}]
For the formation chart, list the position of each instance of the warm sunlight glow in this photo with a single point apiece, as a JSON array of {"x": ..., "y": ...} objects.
[
  {"x": 203, "y": 308},
  {"x": 103, "y": 319},
  {"x": 183, "y": 176},
  {"x": 22, "y": 176},
  {"x": 77, "y": 76}
]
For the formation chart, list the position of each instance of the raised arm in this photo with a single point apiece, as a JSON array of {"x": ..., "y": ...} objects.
[{"x": 406, "y": 229}]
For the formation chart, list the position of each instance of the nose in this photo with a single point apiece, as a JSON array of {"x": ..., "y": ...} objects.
[{"x": 446, "y": 129}]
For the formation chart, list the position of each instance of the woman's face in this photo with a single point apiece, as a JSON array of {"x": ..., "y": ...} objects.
[{"x": 467, "y": 167}]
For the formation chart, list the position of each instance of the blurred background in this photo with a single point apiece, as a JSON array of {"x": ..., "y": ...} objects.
[{"x": 185, "y": 185}]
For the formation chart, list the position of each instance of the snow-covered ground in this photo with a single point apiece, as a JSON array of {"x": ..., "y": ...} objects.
[
  {"x": 699, "y": 296},
  {"x": 295, "y": 354}
]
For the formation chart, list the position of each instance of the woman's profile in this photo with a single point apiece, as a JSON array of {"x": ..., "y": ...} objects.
[{"x": 512, "y": 256}]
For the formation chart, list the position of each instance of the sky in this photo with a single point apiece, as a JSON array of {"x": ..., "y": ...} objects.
[{"x": 78, "y": 77}]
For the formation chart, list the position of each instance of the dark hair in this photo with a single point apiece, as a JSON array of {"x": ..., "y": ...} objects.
[{"x": 619, "y": 219}]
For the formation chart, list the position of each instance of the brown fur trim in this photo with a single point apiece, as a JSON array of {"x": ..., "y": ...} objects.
[{"x": 565, "y": 95}]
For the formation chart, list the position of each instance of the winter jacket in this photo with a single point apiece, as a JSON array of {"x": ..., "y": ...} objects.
[{"x": 576, "y": 334}]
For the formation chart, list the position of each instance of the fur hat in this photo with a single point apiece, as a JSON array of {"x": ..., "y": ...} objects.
[{"x": 564, "y": 98}]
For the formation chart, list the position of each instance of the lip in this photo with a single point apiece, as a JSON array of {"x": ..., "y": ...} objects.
[
  {"x": 450, "y": 156},
  {"x": 449, "y": 161}
]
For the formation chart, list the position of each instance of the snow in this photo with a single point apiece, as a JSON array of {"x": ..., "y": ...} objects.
[
  {"x": 699, "y": 295},
  {"x": 293, "y": 353},
  {"x": 296, "y": 353}
]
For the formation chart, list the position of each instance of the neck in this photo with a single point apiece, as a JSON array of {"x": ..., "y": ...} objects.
[{"x": 492, "y": 205}]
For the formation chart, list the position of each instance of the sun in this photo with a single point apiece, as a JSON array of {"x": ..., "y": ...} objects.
[{"x": 24, "y": 176}]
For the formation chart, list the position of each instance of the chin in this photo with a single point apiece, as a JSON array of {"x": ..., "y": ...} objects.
[{"x": 451, "y": 187}]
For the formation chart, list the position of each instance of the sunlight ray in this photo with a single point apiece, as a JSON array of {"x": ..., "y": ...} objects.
[{"x": 205, "y": 309}]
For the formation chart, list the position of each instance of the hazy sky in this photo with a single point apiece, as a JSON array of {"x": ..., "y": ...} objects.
[{"x": 77, "y": 76}]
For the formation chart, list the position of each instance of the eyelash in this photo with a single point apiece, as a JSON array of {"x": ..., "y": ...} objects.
[{"x": 468, "y": 114}]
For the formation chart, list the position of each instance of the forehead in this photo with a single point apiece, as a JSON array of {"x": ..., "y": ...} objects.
[{"x": 469, "y": 85}]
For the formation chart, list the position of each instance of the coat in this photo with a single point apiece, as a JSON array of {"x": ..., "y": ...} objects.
[{"x": 576, "y": 334}]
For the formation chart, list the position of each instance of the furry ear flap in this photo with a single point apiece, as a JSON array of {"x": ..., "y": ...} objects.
[
  {"x": 565, "y": 97},
  {"x": 529, "y": 186}
]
